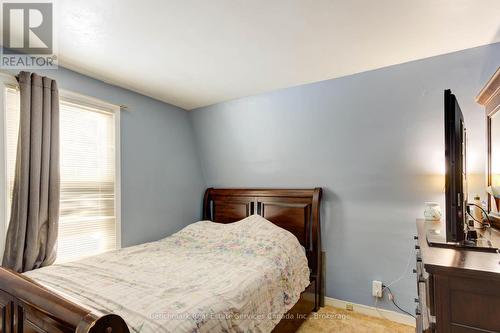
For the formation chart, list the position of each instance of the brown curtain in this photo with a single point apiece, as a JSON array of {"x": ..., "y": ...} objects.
[{"x": 32, "y": 233}]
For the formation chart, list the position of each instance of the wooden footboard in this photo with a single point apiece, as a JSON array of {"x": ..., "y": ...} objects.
[{"x": 27, "y": 307}]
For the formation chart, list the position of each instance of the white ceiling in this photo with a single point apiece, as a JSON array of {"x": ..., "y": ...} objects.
[{"x": 193, "y": 53}]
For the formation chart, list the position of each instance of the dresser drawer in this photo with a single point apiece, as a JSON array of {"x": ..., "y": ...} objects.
[
  {"x": 475, "y": 310},
  {"x": 467, "y": 304}
]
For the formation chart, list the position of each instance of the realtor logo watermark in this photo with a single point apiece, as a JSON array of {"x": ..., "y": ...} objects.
[{"x": 28, "y": 35}]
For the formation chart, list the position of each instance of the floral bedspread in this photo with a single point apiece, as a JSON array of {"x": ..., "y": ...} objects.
[{"x": 208, "y": 277}]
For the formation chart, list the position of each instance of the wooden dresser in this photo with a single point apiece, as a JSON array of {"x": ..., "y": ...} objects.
[{"x": 459, "y": 290}]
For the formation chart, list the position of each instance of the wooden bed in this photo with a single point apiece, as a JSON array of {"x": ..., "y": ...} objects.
[{"x": 26, "y": 306}]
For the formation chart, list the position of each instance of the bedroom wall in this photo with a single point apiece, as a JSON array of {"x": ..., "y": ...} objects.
[
  {"x": 373, "y": 141},
  {"x": 162, "y": 185}
]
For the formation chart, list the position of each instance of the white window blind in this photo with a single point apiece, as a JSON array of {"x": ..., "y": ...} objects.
[
  {"x": 88, "y": 223},
  {"x": 12, "y": 130}
]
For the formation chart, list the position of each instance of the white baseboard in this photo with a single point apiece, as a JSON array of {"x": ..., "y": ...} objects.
[{"x": 372, "y": 311}]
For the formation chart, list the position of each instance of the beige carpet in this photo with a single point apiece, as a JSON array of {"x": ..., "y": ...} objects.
[{"x": 330, "y": 319}]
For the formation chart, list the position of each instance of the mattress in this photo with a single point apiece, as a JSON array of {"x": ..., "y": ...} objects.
[{"x": 208, "y": 277}]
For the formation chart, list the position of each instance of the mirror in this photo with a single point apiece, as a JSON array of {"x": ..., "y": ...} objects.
[
  {"x": 489, "y": 97},
  {"x": 494, "y": 161}
]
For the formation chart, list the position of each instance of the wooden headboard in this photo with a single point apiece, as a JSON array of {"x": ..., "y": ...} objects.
[{"x": 297, "y": 211}]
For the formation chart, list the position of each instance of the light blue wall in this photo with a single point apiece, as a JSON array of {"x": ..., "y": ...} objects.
[
  {"x": 373, "y": 141},
  {"x": 162, "y": 185}
]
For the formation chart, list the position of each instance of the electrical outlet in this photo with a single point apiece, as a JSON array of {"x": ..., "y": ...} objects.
[
  {"x": 349, "y": 307},
  {"x": 376, "y": 288}
]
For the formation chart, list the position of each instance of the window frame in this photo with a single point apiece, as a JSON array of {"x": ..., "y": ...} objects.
[
  {"x": 9, "y": 81},
  {"x": 6, "y": 82}
]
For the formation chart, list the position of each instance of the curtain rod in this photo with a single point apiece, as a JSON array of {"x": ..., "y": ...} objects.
[{"x": 11, "y": 81}]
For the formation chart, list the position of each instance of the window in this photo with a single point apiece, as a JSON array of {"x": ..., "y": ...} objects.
[
  {"x": 12, "y": 106},
  {"x": 89, "y": 220}
]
